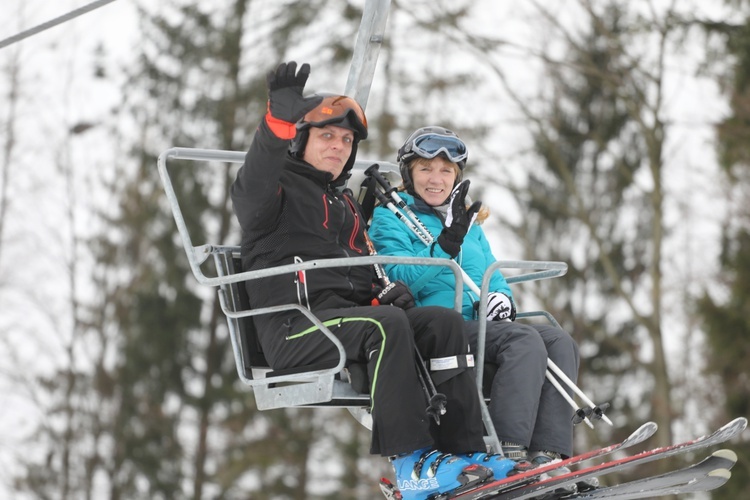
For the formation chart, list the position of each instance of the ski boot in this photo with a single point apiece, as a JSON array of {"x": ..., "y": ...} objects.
[
  {"x": 430, "y": 472},
  {"x": 514, "y": 451},
  {"x": 520, "y": 455},
  {"x": 501, "y": 466},
  {"x": 548, "y": 457},
  {"x": 543, "y": 458}
]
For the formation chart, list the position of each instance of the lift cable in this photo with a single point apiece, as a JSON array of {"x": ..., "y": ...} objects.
[{"x": 54, "y": 22}]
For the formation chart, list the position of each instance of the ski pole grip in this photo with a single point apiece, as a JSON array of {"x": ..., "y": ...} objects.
[
  {"x": 374, "y": 171},
  {"x": 382, "y": 199}
]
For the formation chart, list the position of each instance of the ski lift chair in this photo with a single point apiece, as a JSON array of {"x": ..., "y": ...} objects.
[
  {"x": 330, "y": 385},
  {"x": 336, "y": 385}
]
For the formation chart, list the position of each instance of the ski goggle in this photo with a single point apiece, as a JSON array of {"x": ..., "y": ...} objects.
[
  {"x": 338, "y": 109},
  {"x": 430, "y": 145}
]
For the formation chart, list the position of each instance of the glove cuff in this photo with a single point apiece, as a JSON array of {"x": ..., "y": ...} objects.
[
  {"x": 281, "y": 128},
  {"x": 450, "y": 246},
  {"x": 512, "y": 308}
]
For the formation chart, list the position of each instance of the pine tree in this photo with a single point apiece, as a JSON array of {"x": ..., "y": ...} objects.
[
  {"x": 160, "y": 412},
  {"x": 724, "y": 307},
  {"x": 196, "y": 427},
  {"x": 599, "y": 134}
]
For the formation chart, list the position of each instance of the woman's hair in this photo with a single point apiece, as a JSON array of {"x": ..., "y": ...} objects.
[{"x": 484, "y": 212}]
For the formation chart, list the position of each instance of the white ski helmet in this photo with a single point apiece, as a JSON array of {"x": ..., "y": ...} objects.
[{"x": 429, "y": 142}]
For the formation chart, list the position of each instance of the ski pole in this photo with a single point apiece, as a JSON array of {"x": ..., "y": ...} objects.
[
  {"x": 437, "y": 401},
  {"x": 416, "y": 226},
  {"x": 592, "y": 410},
  {"x": 421, "y": 231},
  {"x": 580, "y": 414}
]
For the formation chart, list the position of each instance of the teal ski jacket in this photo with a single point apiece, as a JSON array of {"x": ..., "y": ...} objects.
[{"x": 434, "y": 285}]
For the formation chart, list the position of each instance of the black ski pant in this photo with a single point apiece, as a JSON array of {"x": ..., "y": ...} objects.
[
  {"x": 384, "y": 338},
  {"x": 525, "y": 407}
]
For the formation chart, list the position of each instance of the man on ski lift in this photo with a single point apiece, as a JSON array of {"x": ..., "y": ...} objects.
[{"x": 289, "y": 209}]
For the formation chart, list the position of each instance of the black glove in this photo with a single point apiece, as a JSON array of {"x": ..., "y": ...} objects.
[
  {"x": 395, "y": 294},
  {"x": 458, "y": 220},
  {"x": 285, "y": 101}
]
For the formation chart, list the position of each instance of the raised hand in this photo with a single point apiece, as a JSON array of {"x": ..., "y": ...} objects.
[
  {"x": 285, "y": 86},
  {"x": 458, "y": 220}
]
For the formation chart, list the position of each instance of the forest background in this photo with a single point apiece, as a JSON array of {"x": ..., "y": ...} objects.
[{"x": 608, "y": 134}]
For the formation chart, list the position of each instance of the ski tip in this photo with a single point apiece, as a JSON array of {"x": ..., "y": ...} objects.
[
  {"x": 728, "y": 455},
  {"x": 642, "y": 433},
  {"x": 732, "y": 429},
  {"x": 739, "y": 422},
  {"x": 720, "y": 473}
]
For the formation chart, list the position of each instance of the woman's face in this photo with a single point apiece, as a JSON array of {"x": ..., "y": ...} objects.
[{"x": 433, "y": 179}]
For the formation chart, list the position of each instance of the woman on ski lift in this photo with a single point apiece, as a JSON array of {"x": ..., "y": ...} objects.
[
  {"x": 531, "y": 418},
  {"x": 289, "y": 209}
]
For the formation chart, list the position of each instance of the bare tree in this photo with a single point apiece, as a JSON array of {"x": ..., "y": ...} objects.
[{"x": 597, "y": 189}]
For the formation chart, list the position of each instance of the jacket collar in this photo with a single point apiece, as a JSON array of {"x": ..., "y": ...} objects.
[
  {"x": 301, "y": 167},
  {"x": 416, "y": 202}
]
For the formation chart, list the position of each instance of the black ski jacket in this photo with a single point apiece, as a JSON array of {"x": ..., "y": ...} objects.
[{"x": 287, "y": 209}]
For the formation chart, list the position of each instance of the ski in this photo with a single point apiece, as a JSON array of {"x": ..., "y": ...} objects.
[
  {"x": 641, "y": 434},
  {"x": 692, "y": 476},
  {"x": 711, "y": 481},
  {"x": 707, "y": 482},
  {"x": 546, "y": 486}
]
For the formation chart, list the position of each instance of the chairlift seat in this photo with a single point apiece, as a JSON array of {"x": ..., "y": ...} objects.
[{"x": 335, "y": 390}]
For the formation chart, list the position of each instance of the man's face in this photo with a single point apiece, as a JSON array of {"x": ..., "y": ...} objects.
[{"x": 329, "y": 148}]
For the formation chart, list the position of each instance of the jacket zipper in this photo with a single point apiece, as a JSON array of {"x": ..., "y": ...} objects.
[{"x": 355, "y": 229}]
